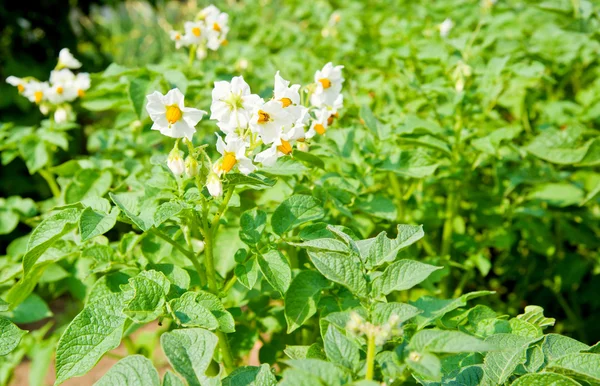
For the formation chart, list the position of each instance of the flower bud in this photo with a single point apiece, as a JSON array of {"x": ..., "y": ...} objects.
[
  {"x": 61, "y": 115},
  {"x": 191, "y": 166},
  {"x": 198, "y": 245},
  {"x": 214, "y": 185},
  {"x": 302, "y": 146},
  {"x": 175, "y": 162}
]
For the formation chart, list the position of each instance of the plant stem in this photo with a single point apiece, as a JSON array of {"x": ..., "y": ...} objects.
[
  {"x": 192, "y": 55},
  {"x": 190, "y": 255},
  {"x": 47, "y": 175},
  {"x": 370, "y": 357},
  {"x": 211, "y": 273},
  {"x": 398, "y": 194}
]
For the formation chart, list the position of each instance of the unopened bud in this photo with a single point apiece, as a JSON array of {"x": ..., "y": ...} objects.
[
  {"x": 198, "y": 245},
  {"x": 191, "y": 166},
  {"x": 214, "y": 185},
  {"x": 175, "y": 162}
]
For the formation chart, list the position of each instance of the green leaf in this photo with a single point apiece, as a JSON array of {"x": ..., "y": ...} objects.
[
  {"x": 309, "y": 158},
  {"x": 584, "y": 366},
  {"x": 123, "y": 201},
  {"x": 171, "y": 379},
  {"x": 379, "y": 206},
  {"x": 302, "y": 298},
  {"x": 92, "y": 223},
  {"x": 138, "y": 89},
  {"x": 425, "y": 365},
  {"x": 86, "y": 184},
  {"x": 34, "y": 152},
  {"x": 251, "y": 376},
  {"x": 276, "y": 269},
  {"x": 8, "y": 221},
  {"x": 252, "y": 225},
  {"x": 556, "y": 346},
  {"x": 166, "y": 211},
  {"x": 46, "y": 234},
  {"x": 150, "y": 289},
  {"x": 381, "y": 249},
  {"x": 340, "y": 349},
  {"x": 191, "y": 313},
  {"x": 383, "y": 311},
  {"x": 342, "y": 269},
  {"x": 190, "y": 352},
  {"x": 324, "y": 245},
  {"x": 10, "y": 336},
  {"x": 31, "y": 310},
  {"x": 254, "y": 181},
  {"x": 434, "y": 309},
  {"x": 442, "y": 341},
  {"x": 411, "y": 163},
  {"x": 558, "y": 194},
  {"x": 499, "y": 365},
  {"x": 295, "y": 211},
  {"x": 535, "y": 316},
  {"x": 328, "y": 373},
  {"x": 285, "y": 166},
  {"x": 370, "y": 121},
  {"x": 402, "y": 275},
  {"x": 96, "y": 330},
  {"x": 247, "y": 273},
  {"x": 134, "y": 370},
  {"x": 544, "y": 379}
]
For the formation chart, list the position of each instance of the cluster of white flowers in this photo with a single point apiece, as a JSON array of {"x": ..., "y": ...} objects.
[
  {"x": 253, "y": 130},
  {"x": 209, "y": 30},
  {"x": 358, "y": 326},
  {"x": 62, "y": 88}
]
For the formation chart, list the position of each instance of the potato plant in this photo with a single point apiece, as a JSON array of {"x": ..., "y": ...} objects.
[{"x": 300, "y": 194}]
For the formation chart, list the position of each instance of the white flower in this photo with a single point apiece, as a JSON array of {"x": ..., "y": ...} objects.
[
  {"x": 329, "y": 85},
  {"x": 216, "y": 29},
  {"x": 179, "y": 39},
  {"x": 232, "y": 103},
  {"x": 36, "y": 91},
  {"x": 170, "y": 116},
  {"x": 320, "y": 124},
  {"x": 62, "y": 86},
  {"x": 66, "y": 59},
  {"x": 82, "y": 83},
  {"x": 62, "y": 114},
  {"x": 302, "y": 146},
  {"x": 214, "y": 185},
  {"x": 209, "y": 12},
  {"x": 234, "y": 153},
  {"x": 269, "y": 119},
  {"x": 282, "y": 146},
  {"x": 194, "y": 32},
  {"x": 175, "y": 162},
  {"x": 445, "y": 27},
  {"x": 17, "y": 82}
]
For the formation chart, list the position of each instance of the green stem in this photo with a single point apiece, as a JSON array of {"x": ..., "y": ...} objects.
[
  {"x": 190, "y": 255},
  {"x": 47, "y": 175},
  {"x": 211, "y": 273},
  {"x": 397, "y": 192},
  {"x": 192, "y": 55},
  {"x": 370, "y": 357}
]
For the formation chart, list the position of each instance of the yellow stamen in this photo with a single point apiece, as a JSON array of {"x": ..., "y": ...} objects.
[
  {"x": 59, "y": 90},
  {"x": 285, "y": 147},
  {"x": 196, "y": 31},
  {"x": 330, "y": 120},
  {"x": 319, "y": 128},
  {"x": 325, "y": 82},
  {"x": 38, "y": 95},
  {"x": 173, "y": 114},
  {"x": 177, "y": 37},
  {"x": 285, "y": 102},
  {"x": 225, "y": 42},
  {"x": 80, "y": 93},
  {"x": 216, "y": 27},
  {"x": 21, "y": 88},
  {"x": 263, "y": 117},
  {"x": 229, "y": 162}
]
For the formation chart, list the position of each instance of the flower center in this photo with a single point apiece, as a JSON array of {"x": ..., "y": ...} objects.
[
  {"x": 60, "y": 90},
  {"x": 229, "y": 161},
  {"x": 319, "y": 128},
  {"x": 216, "y": 27},
  {"x": 285, "y": 147},
  {"x": 225, "y": 42},
  {"x": 173, "y": 114},
  {"x": 196, "y": 31},
  {"x": 325, "y": 82},
  {"x": 80, "y": 93},
  {"x": 285, "y": 102},
  {"x": 21, "y": 88},
  {"x": 263, "y": 117},
  {"x": 38, "y": 95},
  {"x": 177, "y": 36}
]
